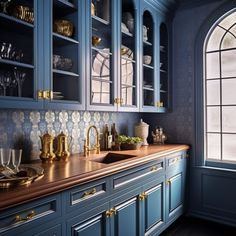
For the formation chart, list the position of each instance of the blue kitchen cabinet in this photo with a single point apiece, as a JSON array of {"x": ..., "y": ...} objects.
[
  {"x": 21, "y": 57},
  {"x": 154, "y": 75},
  {"x": 40, "y": 62},
  {"x": 175, "y": 186},
  {"x": 33, "y": 218},
  {"x": 153, "y": 198}
]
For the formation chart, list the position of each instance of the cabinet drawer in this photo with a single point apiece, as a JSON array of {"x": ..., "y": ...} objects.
[
  {"x": 175, "y": 159},
  {"x": 28, "y": 216},
  {"x": 138, "y": 174},
  {"x": 87, "y": 193}
]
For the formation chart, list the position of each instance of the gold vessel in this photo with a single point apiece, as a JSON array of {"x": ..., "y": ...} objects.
[
  {"x": 96, "y": 40},
  {"x": 63, "y": 27},
  {"x": 63, "y": 143},
  {"x": 22, "y": 12},
  {"x": 47, "y": 154}
]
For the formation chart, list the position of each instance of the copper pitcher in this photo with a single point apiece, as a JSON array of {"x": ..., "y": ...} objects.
[
  {"x": 63, "y": 143},
  {"x": 47, "y": 154}
]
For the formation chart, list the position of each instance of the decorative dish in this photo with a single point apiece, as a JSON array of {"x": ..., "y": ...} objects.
[{"x": 26, "y": 175}]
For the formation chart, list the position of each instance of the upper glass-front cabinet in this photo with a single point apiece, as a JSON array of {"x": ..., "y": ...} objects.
[
  {"x": 164, "y": 69},
  {"x": 102, "y": 82},
  {"x": 128, "y": 79},
  {"x": 17, "y": 53},
  {"x": 148, "y": 61},
  {"x": 65, "y": 82}
]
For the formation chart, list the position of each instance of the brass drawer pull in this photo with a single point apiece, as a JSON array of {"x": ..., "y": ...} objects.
[
  {"x": 89, "y": 193},
  {"x": 108, "y": 213},
  {"x": 155, "y": 168},
  {"x": 113, "y": 211},
  {"x": 142, "y": 196},
  {"x": 30, "y": 215}
]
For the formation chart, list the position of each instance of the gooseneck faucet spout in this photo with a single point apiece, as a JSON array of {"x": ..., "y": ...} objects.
[{"x": 87, "y": 144}]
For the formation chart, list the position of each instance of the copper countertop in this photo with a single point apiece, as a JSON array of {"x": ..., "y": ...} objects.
[{"x": 61, "y": 175}]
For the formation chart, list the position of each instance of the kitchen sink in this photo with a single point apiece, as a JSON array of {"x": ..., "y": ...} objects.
[{"x": 112, "y": 157}]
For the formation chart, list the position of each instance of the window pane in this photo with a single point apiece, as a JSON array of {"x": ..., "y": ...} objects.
[
  {"x": 215, "y": 38},
  {"x": 212, "y": 65},
  {"x": 228, "y": 60},
  {"x": 228, "y": 21},
  {"x": 213, "y": 146},
  {"x": 228, "y": 41},
  {"x": 233, "y": 30},
  {"x": 213, "y": 92},
  {"x": 229, "y": 147},
  {"x": 228, "y": 119},
  {"x": 229, "y": 92},
  {"x": 213, "y": 119}
]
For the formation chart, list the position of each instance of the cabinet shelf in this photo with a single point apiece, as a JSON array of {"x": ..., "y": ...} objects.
[
  {"x": 99, "y": 20},
  {"x": 13, "y": 24},
  {"x": 163, "y": 91},
  {"x": 64, "y": 7},
  {"x": 163, "y": 71},
  {"x": 61, "y": 40},
  {"x": 128, "y": 59},
  {"x": 146, "y": 43},
  {"x": 98, "y": 78},
  {"x": 62, "y": 72},
  {"x": 127, "y": 34},
  {"x": 148, "y": 66},
  {"x": 149, "y": 89},
  {"x": 15, "y": 63},
  {"x": 100, "y": 50},
  {"x": 127, "y": 86}
]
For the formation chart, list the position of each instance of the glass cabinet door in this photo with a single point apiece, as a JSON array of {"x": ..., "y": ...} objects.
[
  {"x": 164, "y": 77},
  {"x": 148, "y": 62},
  {"x": 101, "y": 84},
  {"x": 17, "y": 52},
  {"x": 128, "y": 86}
]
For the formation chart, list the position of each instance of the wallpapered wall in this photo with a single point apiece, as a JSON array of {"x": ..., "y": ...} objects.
[{"x": 23, "y": 128}]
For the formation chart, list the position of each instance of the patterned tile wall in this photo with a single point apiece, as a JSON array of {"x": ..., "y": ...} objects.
[{"x": 23, "y": 128}]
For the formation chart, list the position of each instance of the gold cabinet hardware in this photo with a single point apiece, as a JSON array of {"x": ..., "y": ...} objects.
[
  {"x": 89, "y": 193},
  {"x": 116, "y": 101},
  {"x": 108, "y": 214},
  {"x": 142, "y": 196},
  {"x": 40, "y": 94},
  {"x": 168, "y": 181},
  {"x": 159, "y": 104},
  {"x": 30, "y": 215},
  {"x": 113, "y": 210},
  {"x": 154, "y": 168},
  {"x": 121, "y": 101}
]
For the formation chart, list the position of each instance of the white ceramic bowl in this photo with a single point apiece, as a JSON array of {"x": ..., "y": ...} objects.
[{"x": 147, "y": 59}]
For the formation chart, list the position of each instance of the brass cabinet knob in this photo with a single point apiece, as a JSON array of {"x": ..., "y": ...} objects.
[{"x": 89, "y": 193}]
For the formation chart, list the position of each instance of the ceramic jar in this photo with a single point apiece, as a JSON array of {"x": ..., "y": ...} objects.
[{"x": 141, "y": 130}]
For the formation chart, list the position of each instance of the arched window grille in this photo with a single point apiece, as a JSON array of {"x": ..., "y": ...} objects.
[{"x": 220, "y": 90}]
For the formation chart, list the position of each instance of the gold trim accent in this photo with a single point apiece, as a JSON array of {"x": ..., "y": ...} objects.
[
  {"x": 89, "y": 193},
  {"x": 40, "y": 94},
  {"x": 29, "y": 216}
]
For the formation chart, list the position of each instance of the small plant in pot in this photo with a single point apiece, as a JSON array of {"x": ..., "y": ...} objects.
[{"x": 129, "y": 143}]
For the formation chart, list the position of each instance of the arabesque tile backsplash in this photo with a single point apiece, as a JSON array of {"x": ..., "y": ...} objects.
[{"x": 23, "y": 128}]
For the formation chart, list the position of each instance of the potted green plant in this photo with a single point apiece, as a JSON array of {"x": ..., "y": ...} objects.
[{"x": 129, "y": 143}]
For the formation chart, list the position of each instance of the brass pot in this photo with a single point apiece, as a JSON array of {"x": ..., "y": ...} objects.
[
  {"x": 63, "y": 27},
  {"x": 47, "y": 154},
  {"x": 63, "y": 143},
  {"x": 93, "y": 9}
]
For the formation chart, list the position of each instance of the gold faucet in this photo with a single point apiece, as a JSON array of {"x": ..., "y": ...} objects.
[{"x": 87, "y": 142}]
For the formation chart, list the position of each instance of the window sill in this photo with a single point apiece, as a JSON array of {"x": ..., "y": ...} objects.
[{"x": 220, "y": 165}]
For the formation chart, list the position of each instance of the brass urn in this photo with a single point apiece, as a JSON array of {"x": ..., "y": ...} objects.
[
  {"x": 47, "y": 154},
  {"x": 63, "y": 143}
]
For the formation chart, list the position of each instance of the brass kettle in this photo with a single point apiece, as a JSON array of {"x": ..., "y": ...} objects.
[
  {"x": 47, "y": 154},
  {"x": 63, "y": 143}
]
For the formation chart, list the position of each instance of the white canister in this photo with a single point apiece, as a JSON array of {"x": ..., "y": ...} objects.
[{"x": 141, "y": 130}]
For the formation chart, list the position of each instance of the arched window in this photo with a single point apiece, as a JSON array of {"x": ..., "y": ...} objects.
[{"x": 220, "y": 90}]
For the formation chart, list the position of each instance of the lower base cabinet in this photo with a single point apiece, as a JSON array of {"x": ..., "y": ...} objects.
[{"x": 142, "y": 201}]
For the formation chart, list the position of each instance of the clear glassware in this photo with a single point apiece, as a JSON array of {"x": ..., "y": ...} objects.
[
  {"x": 20, "y": 78},
  {"x": 5, "y": 157},
  {"x": 5, "y": 81},
  {"x": 16, "y": 158}
]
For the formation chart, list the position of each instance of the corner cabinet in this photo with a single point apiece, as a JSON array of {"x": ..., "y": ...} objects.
[{"x": 101, "y": 55}]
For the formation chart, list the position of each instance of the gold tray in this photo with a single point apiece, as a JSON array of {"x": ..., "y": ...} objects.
[{"x": 33, "y": 173}]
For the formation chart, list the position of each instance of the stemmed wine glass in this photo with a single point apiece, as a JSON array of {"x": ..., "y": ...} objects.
[
  {"x": 16, "y": 158},
  {"x": 5, "y": 81},
  {"x": 20, "y": 78},
  {"x": 5, "y": 157}
]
